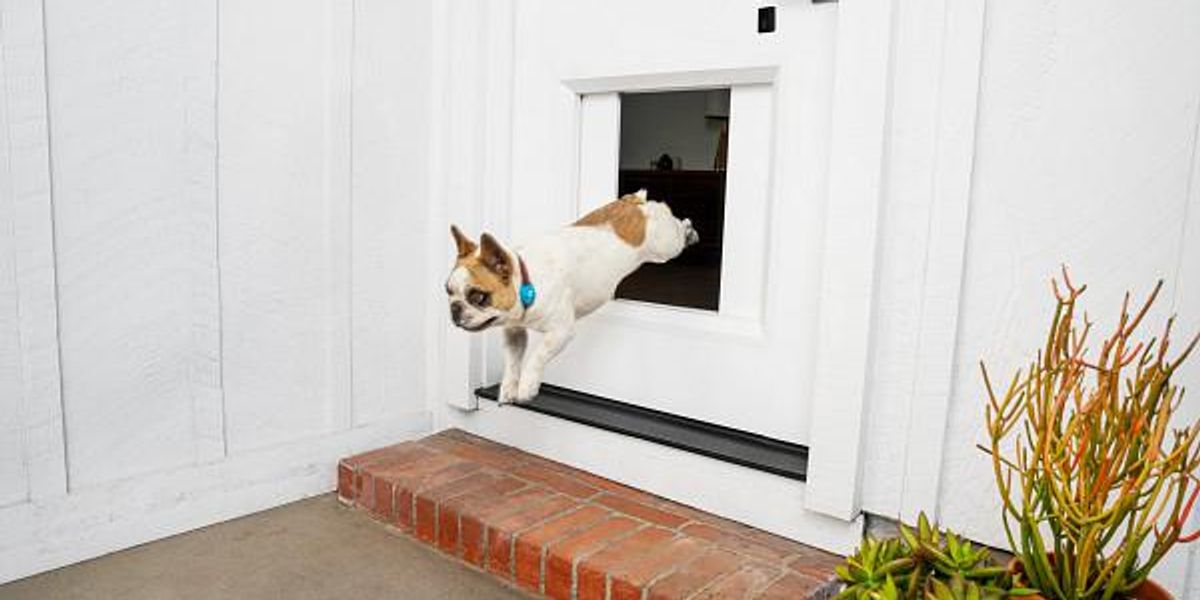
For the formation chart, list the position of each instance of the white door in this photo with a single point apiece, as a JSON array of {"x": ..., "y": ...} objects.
[{"x": 746, "y": 362}]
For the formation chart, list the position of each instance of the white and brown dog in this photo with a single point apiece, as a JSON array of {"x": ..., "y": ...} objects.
[{"x": 554, "y": 280}]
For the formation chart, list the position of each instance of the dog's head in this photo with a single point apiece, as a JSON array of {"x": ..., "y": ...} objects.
[{"x": 481, "y": 289}]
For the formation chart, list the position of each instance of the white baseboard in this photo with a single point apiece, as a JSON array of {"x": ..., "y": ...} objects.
[{"x": 39, "y": 536}]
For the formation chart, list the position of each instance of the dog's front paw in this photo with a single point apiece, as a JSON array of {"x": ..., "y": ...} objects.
[
  {"x": 527, "y": 390},
  {"x": 508, "y": 390}
]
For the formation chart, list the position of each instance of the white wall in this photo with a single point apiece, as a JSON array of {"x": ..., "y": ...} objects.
[
  {"x": 1085, "y": 153},
  {"x": 227, "y": 200}
]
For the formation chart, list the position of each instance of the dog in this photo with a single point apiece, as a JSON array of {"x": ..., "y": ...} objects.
[{"x": 554, "y": 280}]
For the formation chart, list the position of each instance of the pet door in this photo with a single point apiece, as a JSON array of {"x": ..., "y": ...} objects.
[{"x": 675, "y": 146}]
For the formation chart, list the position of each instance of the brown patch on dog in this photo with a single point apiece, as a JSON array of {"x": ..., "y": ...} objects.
[
  {"x": 624, "y": 215},
  {"x": 491, "y": 270},
  {"x": 464, "y": 243}
]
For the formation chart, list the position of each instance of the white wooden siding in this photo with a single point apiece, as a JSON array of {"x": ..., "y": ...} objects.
[
  {"x": 132, "y": 157},
  {"x": 1085, "y": 154},
  {"x": 392, "y": 104},
  {"x": 202, "y": 233}
]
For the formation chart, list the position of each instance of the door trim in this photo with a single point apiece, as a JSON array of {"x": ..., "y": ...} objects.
[
  {"x": 861, "y": 92},
  {"x": 674, "y": 81}
]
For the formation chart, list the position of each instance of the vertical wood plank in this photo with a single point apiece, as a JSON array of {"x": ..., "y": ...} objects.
[
  {"x": 859, "y": 126},
  {"x": 28, "y": 191},
  {"x": 14, "y": 483},
  {"x": 208, "y": 396},
  {"x": 131, "y": 92},
  {"x": 904, "y": 243},
  {"x": 958, "y": 92},
  {"x": 284, "y": 175},
  {"x": 463, "y": 30},
  {"x": 1187, "y": 306},
  {"x": 392, "y": 103}
]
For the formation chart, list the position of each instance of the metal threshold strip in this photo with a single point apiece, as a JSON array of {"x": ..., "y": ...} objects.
[{"x": 715, "y": 441}]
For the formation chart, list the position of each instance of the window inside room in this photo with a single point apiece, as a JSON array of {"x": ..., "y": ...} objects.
[{"x": 674, "y": 145}]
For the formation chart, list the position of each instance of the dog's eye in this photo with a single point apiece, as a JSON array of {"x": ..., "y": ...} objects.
[{"x": 478, "y": 298}]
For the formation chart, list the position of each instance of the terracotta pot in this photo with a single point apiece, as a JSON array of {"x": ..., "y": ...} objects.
[{"x": 1147, "y": 590}]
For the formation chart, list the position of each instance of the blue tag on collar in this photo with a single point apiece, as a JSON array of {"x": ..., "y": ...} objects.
[{"x": 528, "y": 294}]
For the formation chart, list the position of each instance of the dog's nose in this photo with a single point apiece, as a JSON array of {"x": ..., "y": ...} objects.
[
  {"x": 456, "y": 309},
  {"x": 690, "y": 237}
]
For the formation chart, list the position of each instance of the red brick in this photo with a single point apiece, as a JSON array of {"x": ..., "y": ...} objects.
[
  {"x": 345, "y": 486},
  {"x": 744, "y": 583},
  {"x": 641, "y": 511},
  {"x": 425, "y": 515},
  {"x": 457, "y": 438},
  {"x": 530, "y": 545},
  {"x": 396, "y": 452},
  {"x": 450, "y": 509},
  {"x": 592, "y": 572},
  {"x": 403, "y": 507},
  {"x": 750, "y": 548},
  {"x": 791, "y": 587},
  {"x": 447, "y": 476},
  {"x": 382, "y": 506},
  {"x": 364, "y": 490},
  {"x": 815, "y": 563},
  {"x": 556, "y": 481},
  {"x": 425, "y": 527},
  {"x": 703, "y": 531},
  {"x": 766, "y": 547},
  {"x": 500, "y": 534},
  {"x": 628, "y": 581},
  {"x": 471, "y": 538},
  {"x": 473, "y": 521},
  {"x": 695, "y": 574},
  {"x": 562, "y": 555},
  {"x": 447, "y": 516},
  {"x": 618, "y": 489},
  {"x": 502, "y": 458},
  {"x": 414, "y": 475}
]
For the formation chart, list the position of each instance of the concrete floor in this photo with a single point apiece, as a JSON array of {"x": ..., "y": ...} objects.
[{"x": 307, "y": 550}]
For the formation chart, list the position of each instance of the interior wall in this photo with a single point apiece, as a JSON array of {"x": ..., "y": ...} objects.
[
  {"x": 232, "y": 211},
  {"x": 668, "y": 123}
]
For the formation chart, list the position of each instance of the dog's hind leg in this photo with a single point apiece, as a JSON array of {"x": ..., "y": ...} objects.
[{"x": 515, "y": 341}]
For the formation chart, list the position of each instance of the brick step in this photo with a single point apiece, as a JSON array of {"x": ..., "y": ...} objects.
[{"x": 565, "y": 533}]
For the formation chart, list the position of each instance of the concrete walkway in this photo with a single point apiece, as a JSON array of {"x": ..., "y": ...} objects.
[{"x": 307, "y": 550}]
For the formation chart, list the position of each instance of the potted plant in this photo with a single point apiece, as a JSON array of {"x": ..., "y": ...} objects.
[{"x": 1096, "y": 485}]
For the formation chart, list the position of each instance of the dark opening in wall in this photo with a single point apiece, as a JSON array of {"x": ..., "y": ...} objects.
[{"x": 675, "y": 145}]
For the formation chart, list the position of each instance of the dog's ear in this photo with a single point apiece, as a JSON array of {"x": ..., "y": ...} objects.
[
  {"x": 493, "y": 256},
  {"x": 465, "y": 246}
]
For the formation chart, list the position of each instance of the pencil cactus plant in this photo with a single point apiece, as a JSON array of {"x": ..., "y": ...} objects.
[{"x": 1088, "y": 467}]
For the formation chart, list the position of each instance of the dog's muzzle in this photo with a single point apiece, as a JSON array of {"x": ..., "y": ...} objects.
[{"x": 690, "y": 237}]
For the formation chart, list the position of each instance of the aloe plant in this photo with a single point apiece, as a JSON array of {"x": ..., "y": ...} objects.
[
  {"x": 917, "y": 561},
  {"x": 1087, "y": 466},
  {"x": 959, "y": 588},
  {"x": 872, "y": 568}
]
